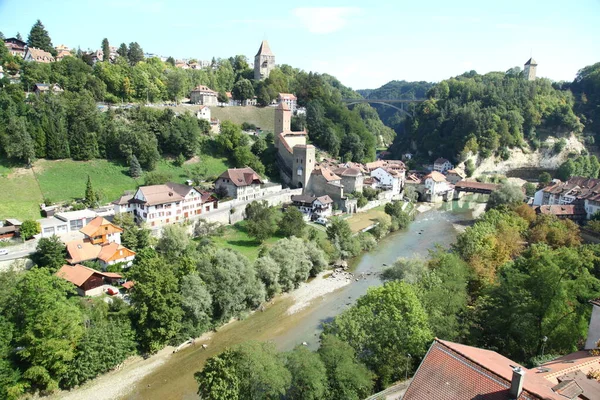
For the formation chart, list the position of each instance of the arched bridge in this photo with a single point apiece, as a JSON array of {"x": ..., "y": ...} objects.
[{"x": 385, "y": 102}]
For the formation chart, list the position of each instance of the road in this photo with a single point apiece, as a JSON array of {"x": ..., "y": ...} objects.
[{"x": 15, "y": 254}]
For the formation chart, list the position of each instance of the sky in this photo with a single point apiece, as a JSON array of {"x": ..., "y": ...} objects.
[{"x": 365, "y": 44}]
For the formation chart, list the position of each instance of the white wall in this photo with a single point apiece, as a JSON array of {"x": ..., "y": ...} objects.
[{"x": 594, "y": 329}]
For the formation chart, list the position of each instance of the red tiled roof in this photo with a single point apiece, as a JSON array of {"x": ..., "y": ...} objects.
[
  {"x": 287, "y": 96},
  {"x": 558, "y": 210},
  {"x": 78, "y": 274},
  {"x": 326, "y": 173},
  {"x": 347, "y": 171},
  {"x": 451, "y": 371},
  {"x": 242, "y": 176}
]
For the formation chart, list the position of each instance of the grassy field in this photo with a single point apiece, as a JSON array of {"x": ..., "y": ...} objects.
[
  {"x": 236, "y": 238},
  {"x": 361, "y": 220},
  {"x": 22, "y": 190},
  {"x": 261, "y": 117}
]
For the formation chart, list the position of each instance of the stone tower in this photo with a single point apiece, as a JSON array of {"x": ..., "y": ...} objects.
[
  {"x": 283, "y": 119},
  {"x": 529, "y": 69},
  {"x": 264, "y": 62},
  {"x": 303, "y": 165}
]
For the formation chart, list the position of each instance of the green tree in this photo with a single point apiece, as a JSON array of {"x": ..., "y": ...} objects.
[
  {"x": 50, "y": 253},
  {"x": 340, "y": 234},
  {"x": 242, "y": 90},
  {"x": 39, "y": 38},
  {"x": 347, "y": 377},
  {"x": 308, "y": 373},
  {"x": 545, "y": 178},
  {"x": 29, "y": 229},
  {"x": 530, "y": 189},
  {"x": 47, "y": 327},
  {"x": 543, "y": 293},
  {"x": 196, "y": 304},
  {"x": 135, "y": 169},
  {"x": 222, "y": 97},
  {"x": 261, "y": 221},
  {"x": 174, "y": 242},
  {"x": 156, "y": 303},
  {"x": 469, "y": 168},
  {"x": 232, "y": 283},
  {"x": 122, "y": 51},
  {"x": 16, "y": 140},
  {"x": 91, "y": 198},
  {"x": 507, "y": 194},
  {"x": 218, "y": 379},
  {"x": 170, "y": 61},
  {"x": 105, "y": 50},
  {"x": 135, "y": 54},
  {"x": 384, "y": 327},
  {"x": 292, "y": 223}
]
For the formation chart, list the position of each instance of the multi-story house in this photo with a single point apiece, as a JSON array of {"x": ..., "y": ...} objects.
[
  {"x": 442, "y": 165},
  {"x": 158, "y": 205},
  {"x": 352, "y": 179},
  {"x": 313, "y": 207},
  {"x": 453, "y": 176},
  {"x": 203, "y": 113},
  {"x": 203, "y": 95},
  {"x": 240, "y": 184},
  {"x": 62, "y": 51},
  {"x": 577, "y": 191},
  {"x": 38, "y": 55},
  {"x": 15, "y": 46},
  {"x": 389, "y": 179}
]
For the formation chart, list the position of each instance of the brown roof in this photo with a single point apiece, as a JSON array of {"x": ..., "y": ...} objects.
[
  {"x": 558, "y": 210},
  {"x": 347, "y": 172},
  {"x": 441, "y": 160},
  {"x": 287, "y": 96},
  {"x": 590, "y": 388},
  {"x": 326, "y": 173},
  {"x": 79, "y": 251},
  {"x": 451, "y": 371},
  {"x": 325, "y": 199},
  {"x": 167, "y": 193},
  {"x": 283, "y": 106},
  {"x": 128, "y": 285},
  {"x": 202, "y": 88},
  {"x": 455, "y": 172},
  {"x": 78, "y": 274},
  {"x": 579, "y": 360},
  {"x": 436, "y": 176},
  {"x": 206, "y": 197},
  {"x": 92, "y": 228},
  {"x": 39, "y": 55},
  {"x": 303, "y": 198},
  {"x": 578, "y": 187},
  {"x": 109, "y": 250},
  {"x": 242, "y": 176},
  {"x": 124, "y": 199},
  {"x": 264, "y": 49},
  {"x": 476, "y": 185},
  {"x": 376, "y": 164}
]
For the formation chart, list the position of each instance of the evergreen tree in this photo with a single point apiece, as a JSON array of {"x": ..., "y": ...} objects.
[
  {"x": 171, "y": 61},
  {"x": 2, "y": 36},
  {"x": 135, "y": 169},
  {"x": 19, "y": 37},
  {"x": 39, "y": 38},
  {"x": 105, "y": 50},
  {"x": 122, "y": 50},
  {"x": 90, "y": 195},
  {"x": 135, "y": 53}
]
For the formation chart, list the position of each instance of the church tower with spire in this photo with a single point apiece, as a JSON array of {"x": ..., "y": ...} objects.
[
  {"x": 264, "y": 61},
  {"x": 529, "y": 70}
]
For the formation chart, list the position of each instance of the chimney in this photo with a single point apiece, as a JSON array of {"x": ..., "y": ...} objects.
[{"x": 516, "y": 385}]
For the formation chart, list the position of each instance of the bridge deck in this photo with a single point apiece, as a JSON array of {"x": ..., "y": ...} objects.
[{"x": 467, "y": 186}]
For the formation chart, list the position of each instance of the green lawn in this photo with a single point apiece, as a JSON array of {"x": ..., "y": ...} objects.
[
  {"x": 65, "y": 180},
  {"x": 361, "y": 220},
  {"x": 261, "y": 117},
  {"x": 236, "y": 237}
]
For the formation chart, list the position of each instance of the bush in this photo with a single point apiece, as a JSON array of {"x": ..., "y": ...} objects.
[
  {"x": 530, "y": 189},
  {"x": 559, "y": 146},
  {"x": 469, "y": 168},
  {"x": 29, "y": 229}
]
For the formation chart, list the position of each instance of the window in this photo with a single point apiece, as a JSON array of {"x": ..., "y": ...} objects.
[
  {"x": 207, "y": 208},
  {"x": 76, "y": 224}
]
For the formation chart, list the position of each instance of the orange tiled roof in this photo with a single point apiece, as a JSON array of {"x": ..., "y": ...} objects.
[
  {"x": 436, "y": 176},
  {"x": 95, "y": 224},
  {"x": 78, "y": 274},
  {"x": 79, "y": 251}
]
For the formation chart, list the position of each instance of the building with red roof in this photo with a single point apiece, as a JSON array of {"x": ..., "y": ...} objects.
[{"x": 88, "y": 281}]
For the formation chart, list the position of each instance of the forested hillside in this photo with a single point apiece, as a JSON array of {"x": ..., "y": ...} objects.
[
  {"x": 69, "y": 124},
  {"x": 586, "y": 89}
]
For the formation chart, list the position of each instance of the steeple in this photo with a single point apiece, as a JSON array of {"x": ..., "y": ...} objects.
[
  {"x": 530, "y": 69},
  {"x": 264, "y": 49}
]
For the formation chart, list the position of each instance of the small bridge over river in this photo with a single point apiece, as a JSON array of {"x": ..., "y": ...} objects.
[
  {"x": 386, "y": 102},
  {"x": 474, "y": 187}
]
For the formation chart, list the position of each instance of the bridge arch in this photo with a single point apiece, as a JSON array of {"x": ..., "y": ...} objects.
[{"x": 380, "y": 102}]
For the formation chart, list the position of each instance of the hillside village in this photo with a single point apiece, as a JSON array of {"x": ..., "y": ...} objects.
[{"x": 150, "y": 269}]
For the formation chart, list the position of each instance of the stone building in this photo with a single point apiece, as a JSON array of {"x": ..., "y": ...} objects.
[
  {"x": 529, "y": 69},
  {"x": 203, "y": 95},
  {"x": 264, "y": 61},
  {"x": 352, "y": 179},
  {"x": 295, "y": 156}
]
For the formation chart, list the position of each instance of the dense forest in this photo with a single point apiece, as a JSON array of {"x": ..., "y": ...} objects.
[
  {"x": 70, "y": 125},
  {"x": 487, "y": 114}
]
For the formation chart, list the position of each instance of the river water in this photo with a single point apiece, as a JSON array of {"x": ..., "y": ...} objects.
[{"x": 175, "y": 378}]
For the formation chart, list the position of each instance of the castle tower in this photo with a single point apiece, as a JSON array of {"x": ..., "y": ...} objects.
[
  {"x": 529, "y": 69},
  {"x": 303, "y": 165},
  {"x": 283, "y": 119},
  {"x": 264, "y": 62}
]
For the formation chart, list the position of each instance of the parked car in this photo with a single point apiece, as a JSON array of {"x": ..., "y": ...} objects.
[
  {"x": 321, "y": 221},
  {"x": 3, "y": 252}
]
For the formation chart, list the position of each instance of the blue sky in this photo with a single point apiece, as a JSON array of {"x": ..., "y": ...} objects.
[{"x": 363, "y": 43}]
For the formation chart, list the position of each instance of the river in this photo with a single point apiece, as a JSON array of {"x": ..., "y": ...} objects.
[{"x": 175, "y": 378}]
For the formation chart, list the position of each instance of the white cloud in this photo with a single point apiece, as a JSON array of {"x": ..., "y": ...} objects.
[{"x": 322, "y": 20}]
